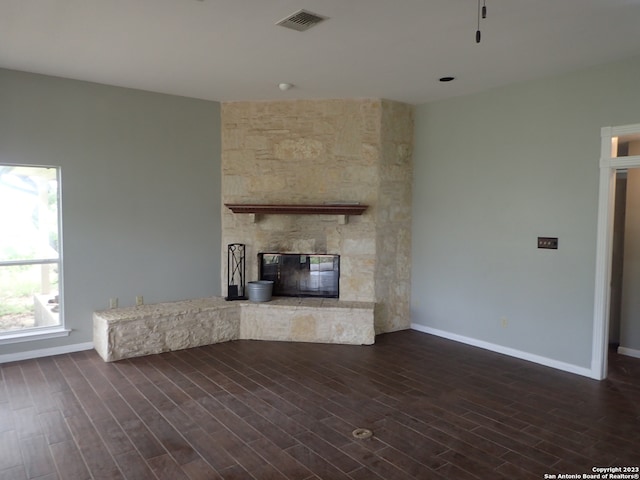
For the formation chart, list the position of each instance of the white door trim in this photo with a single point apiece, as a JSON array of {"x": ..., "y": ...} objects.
[{"x": 606, "y": 203}]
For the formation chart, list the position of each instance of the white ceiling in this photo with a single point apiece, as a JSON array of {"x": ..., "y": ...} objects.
[{"x": 232, "y": 50}]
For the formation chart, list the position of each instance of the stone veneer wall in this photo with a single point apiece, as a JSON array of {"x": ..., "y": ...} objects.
[
  {"x": 393, "y": 218},
  {"x": 315, "y": 151}
]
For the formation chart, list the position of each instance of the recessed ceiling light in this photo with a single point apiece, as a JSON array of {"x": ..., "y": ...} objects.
[
  {"x": 447, "y": 79},
  {"x": 285, "y": 86}
]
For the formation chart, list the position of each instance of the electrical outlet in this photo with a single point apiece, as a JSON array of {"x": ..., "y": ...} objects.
[
  {"x": 504, "y": 323},
  {"x": 139, "y": 300},
  {"x": 113, "y": 302}
]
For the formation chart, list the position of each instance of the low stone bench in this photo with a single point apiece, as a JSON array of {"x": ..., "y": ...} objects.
[
  {"x": 147, "y": 329},
  {"x": 135, "y": 331}
]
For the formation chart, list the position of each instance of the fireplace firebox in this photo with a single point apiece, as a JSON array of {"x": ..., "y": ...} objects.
[{"x": 301, "y": 275}]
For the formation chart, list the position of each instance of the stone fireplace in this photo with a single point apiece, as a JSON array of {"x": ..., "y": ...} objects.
[{"x": 319, "y": 152}]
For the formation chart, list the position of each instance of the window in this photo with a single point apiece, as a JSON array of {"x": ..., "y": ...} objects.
[{"x": 30, "y": 276}]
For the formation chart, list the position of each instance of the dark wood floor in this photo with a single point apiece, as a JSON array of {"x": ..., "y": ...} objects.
[{"x": 266, "y": 410}]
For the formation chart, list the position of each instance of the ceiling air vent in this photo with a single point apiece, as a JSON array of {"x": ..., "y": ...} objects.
[{"x": 301, "y": 20}]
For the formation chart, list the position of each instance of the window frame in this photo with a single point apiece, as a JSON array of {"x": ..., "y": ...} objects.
[{"x": 43, "y": 332}]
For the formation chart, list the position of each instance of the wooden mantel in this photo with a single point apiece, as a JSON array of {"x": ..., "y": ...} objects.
[{"x": 340, "y": 209}]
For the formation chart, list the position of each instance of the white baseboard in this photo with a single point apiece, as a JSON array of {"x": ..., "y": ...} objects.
[
  {"x": 45, "y": 352},
  {"x": 512, "y": 352},
  {"x": 630, "y": 352}
]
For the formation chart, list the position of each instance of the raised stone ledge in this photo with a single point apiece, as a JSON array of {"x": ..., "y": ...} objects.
[
  {"x": 147, "y": 329},
  {"x": 135, "y": 331},
  {"x": 308, "y": 320}
]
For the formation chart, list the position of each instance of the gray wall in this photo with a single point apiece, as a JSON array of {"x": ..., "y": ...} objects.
[
  {"x": 140, "y": 190},
  {"x": 492, "y": 172}
]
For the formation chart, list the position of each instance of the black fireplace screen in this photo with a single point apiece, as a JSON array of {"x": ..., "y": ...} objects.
[{"x": 300, "y": 275}]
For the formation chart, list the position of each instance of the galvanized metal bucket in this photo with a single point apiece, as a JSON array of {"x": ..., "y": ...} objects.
[{"x": 260, "y": 290}]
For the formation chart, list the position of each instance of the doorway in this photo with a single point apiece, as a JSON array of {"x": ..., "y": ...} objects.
[
  {"x": 617, "y": 154},
  {"x": 617, "y": 261}
]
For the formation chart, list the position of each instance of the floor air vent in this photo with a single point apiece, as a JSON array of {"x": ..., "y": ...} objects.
[{"x": 301, "y": 20}]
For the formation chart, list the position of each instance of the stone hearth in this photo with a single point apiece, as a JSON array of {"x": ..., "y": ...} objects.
[{"x": 148, "y": 329}]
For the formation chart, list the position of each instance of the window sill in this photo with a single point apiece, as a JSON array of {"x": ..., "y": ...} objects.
[{"x": 32, "y": 334}]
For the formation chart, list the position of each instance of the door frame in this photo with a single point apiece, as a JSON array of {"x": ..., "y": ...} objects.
[{"x": 609, "y": 164}]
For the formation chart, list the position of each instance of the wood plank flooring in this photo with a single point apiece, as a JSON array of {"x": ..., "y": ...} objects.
[{"x": 268, "y": 410}]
